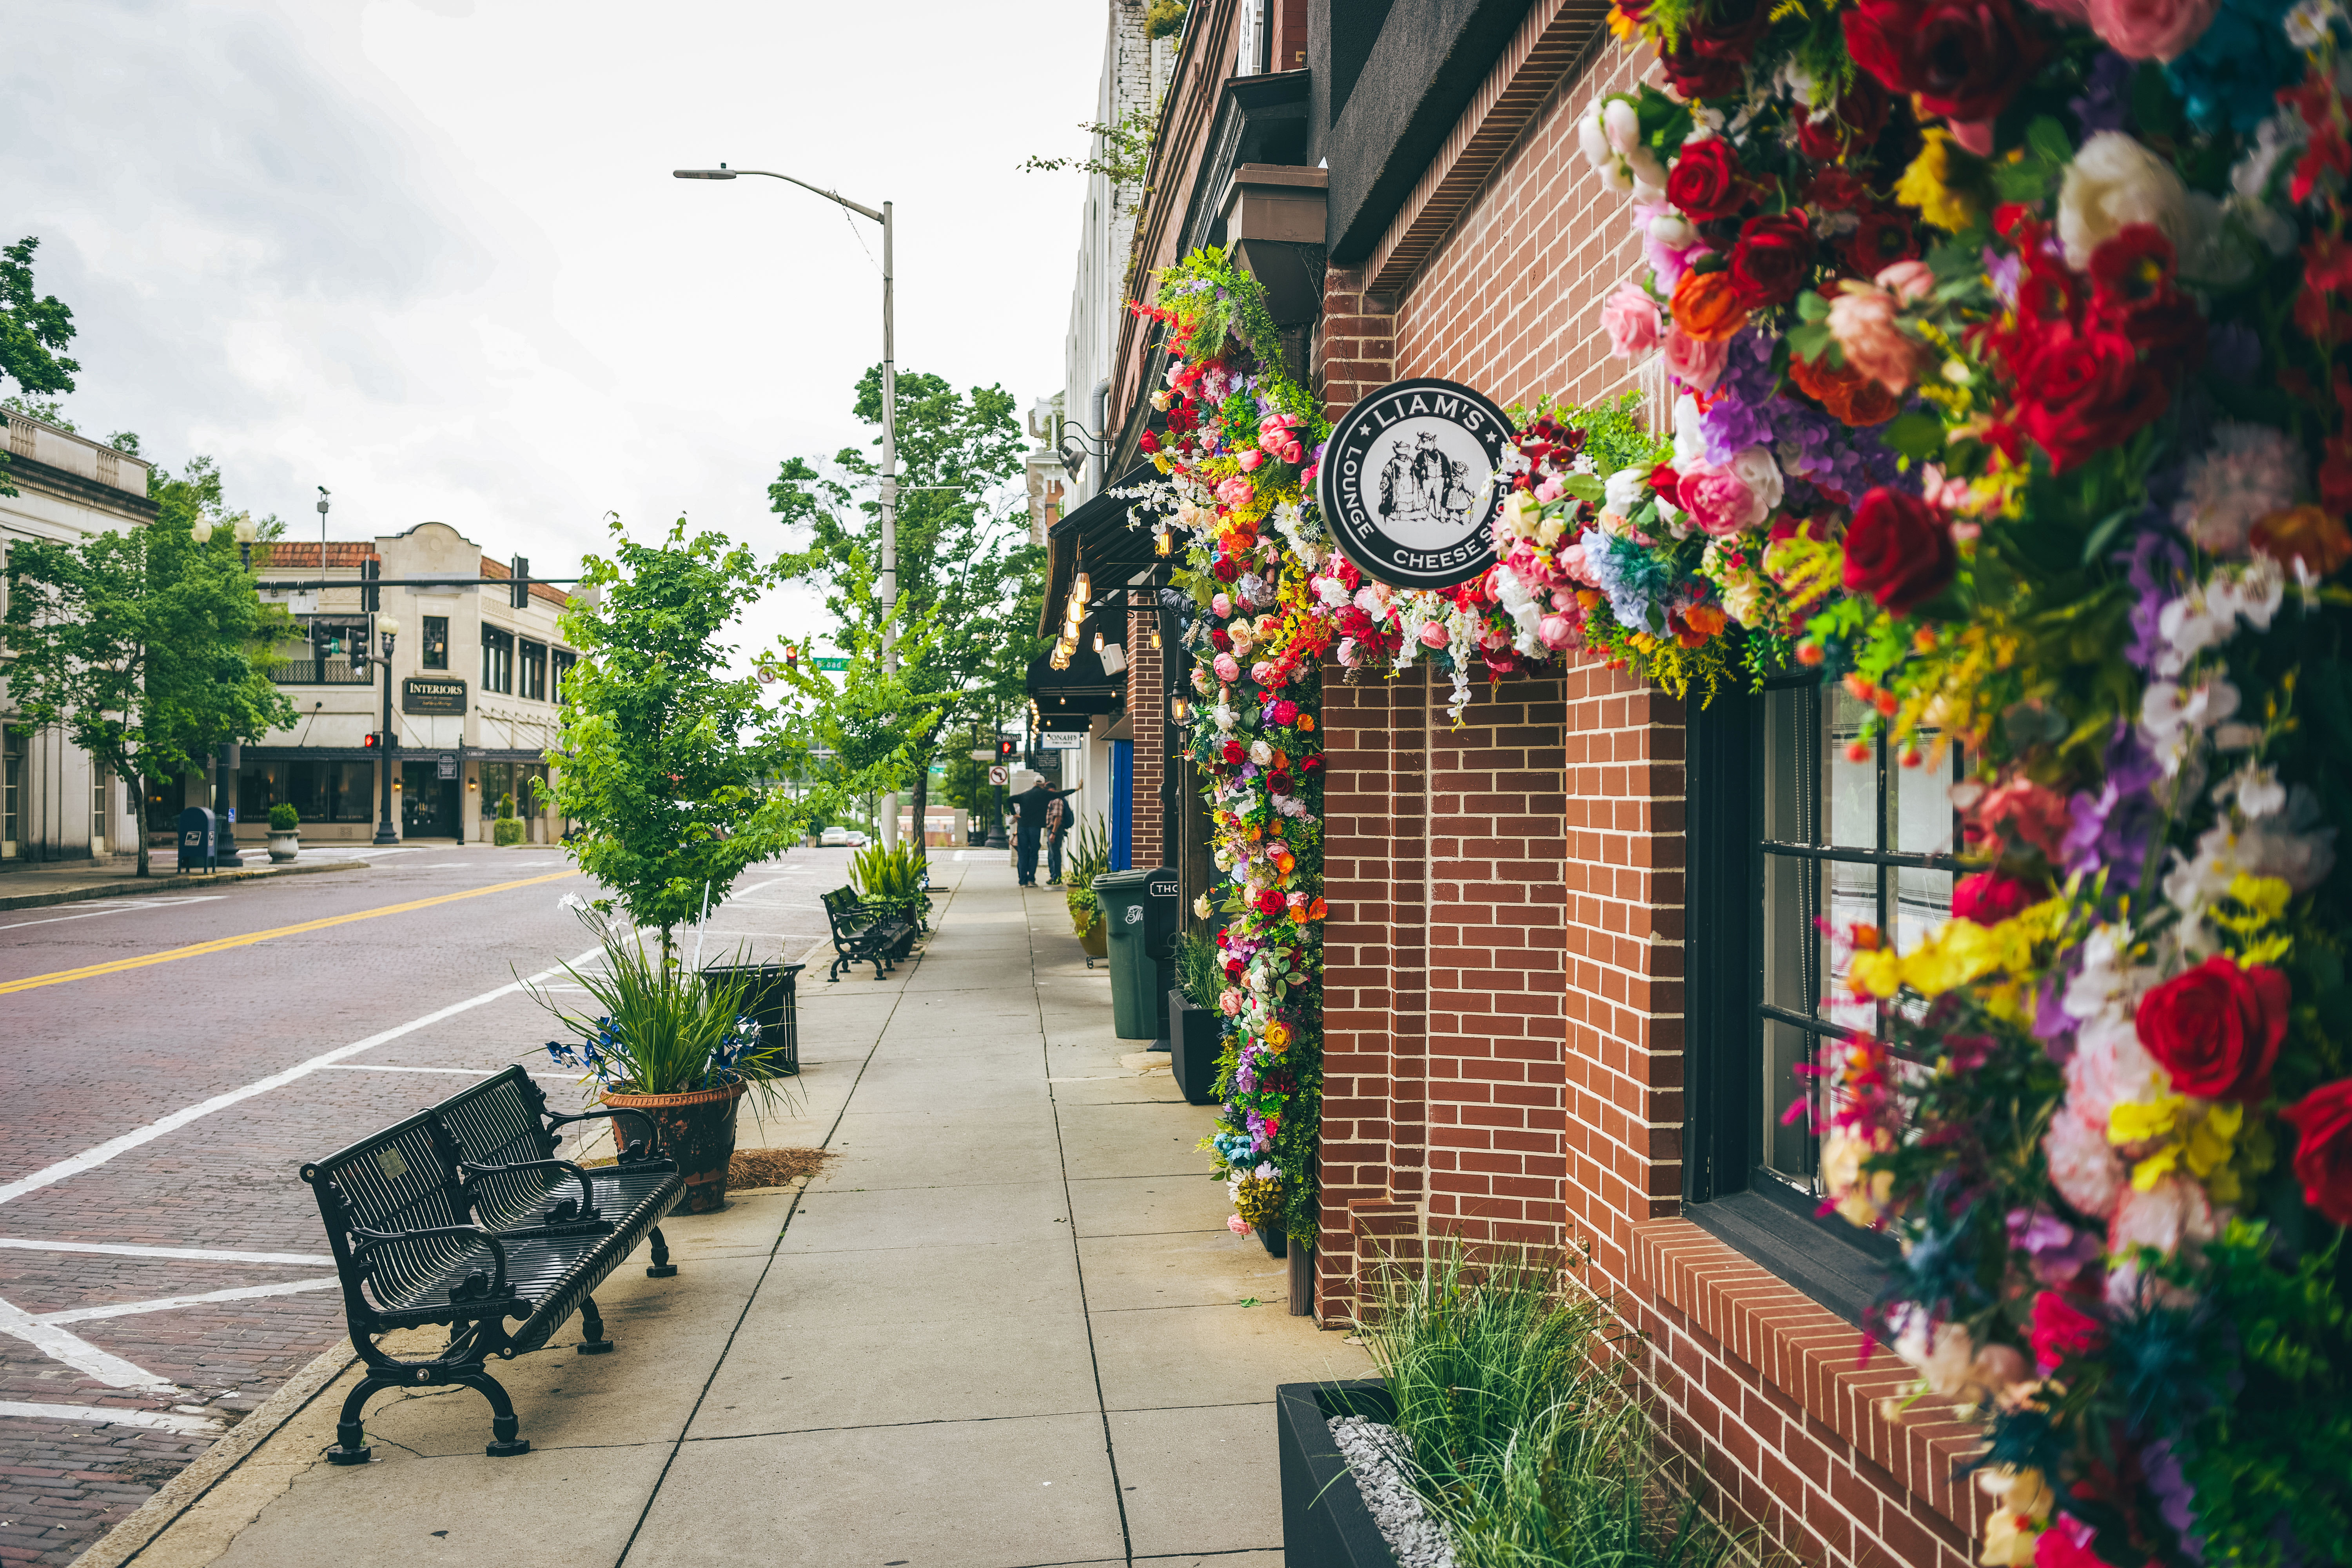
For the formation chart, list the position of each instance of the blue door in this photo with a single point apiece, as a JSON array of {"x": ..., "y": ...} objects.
[{"x": 1122, "y": 805}]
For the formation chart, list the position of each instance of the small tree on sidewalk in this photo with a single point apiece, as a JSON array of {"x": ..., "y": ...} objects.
[
  {"x": 149, "y": 649},
  {"x": 666, "y": 763}
]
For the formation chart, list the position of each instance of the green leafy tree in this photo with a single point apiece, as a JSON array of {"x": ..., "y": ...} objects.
[
  {"x": 666, "y": 761},
  {"x": 968, "y": 576},
  {"x": 33, "y": 327},
  {"x": 149, "y": 649}
]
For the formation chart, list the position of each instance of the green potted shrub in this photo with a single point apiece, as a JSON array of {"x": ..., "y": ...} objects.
[
  {"x": 1089, "y": 857},
  {"x": 670, "y": 1043},
  {"x": 893, "y": 878},
  {"x": 508, "y": 830},
  {"x": 285, "y": 833},
  {"x": 1196, "y": 1022}
]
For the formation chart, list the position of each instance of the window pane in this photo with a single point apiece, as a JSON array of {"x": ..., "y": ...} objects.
[
  {"x": 1852, "y": 793},
  {"x": 1923, "y": 802},
  {"x": 1789, "y": 1149},
  {"x": 437, "y": 642}
]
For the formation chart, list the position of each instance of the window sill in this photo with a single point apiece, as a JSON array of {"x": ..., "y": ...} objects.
[
  {"x": 1833, "y": 1269},
  {"x": 1742, "y": 1309}
]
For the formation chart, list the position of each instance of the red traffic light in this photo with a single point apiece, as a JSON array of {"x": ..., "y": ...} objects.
[
  {"x": 372, "y": 740},
  {"x": 1007, "y": 750}
]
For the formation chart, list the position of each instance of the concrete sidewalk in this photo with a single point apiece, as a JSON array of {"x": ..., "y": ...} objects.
[
  {"x": 71, "y": 882},
  {"x": 1005, "y": 1329}
]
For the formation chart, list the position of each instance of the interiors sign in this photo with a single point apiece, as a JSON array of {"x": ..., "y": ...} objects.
[
  {"x": 433, "y": 694},
  {"x": 1407, "y": 483}
]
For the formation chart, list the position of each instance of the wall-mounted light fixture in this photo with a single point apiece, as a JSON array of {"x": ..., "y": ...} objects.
[{"x": 1180, "y": 709}]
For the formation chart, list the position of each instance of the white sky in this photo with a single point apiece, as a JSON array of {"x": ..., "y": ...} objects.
[{"x": 429, "y": 253}]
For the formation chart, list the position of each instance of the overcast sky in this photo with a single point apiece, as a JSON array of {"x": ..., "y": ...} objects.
[{"x": 428, "y": 253}]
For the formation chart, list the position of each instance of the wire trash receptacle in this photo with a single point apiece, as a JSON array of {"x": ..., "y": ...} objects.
[{"x": 772, "y": 999}]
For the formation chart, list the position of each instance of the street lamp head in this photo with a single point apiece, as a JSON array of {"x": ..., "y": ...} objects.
[
  {"x": 388, "y": 625},
  {"x": 720, "y": 173},
  {"x": 245, "y": 532},
  {"x": 202, "y": 532}
]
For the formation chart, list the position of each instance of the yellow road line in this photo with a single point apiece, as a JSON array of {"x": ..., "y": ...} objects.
[{"x": 223, "y": 944}]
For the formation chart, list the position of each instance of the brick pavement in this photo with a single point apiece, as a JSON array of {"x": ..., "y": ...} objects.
[{"x": 98, "y": 1058}]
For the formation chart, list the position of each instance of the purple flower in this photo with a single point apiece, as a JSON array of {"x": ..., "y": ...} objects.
[
  {"x": 2111, "y": 828},
  {"x": 2156, "y": 562},
  {"x": 2105, "y": 102},
  {"x": 2053, "y": 1024},
  {"x": 2233, "y": 353},
  {"x": 2161, "y": 1466},
  {"x": 2004, "y": 269},
  {"x": 2057, "y": 1251}
]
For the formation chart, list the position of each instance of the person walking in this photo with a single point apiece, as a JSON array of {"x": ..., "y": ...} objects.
[
  {"x": 1057, "y": 829},
  {"x": 1029, "y": 808}
]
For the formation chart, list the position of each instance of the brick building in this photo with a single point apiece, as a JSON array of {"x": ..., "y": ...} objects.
[{"x": 1570, "y": 959}]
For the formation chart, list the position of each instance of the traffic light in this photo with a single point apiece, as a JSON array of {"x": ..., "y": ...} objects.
[
  {"x": 370, "y": 597},
  {"x": 1007, "y": 750},
  {"x": 372, "y": 741},
  {"x": 518, "y": 590}
]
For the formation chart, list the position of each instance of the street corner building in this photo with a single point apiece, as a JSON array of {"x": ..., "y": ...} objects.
[
  {"x": 1567, "y": 940},
  {"x": 475, "y": 677}
]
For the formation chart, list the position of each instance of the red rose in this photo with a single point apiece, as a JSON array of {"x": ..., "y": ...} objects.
[
  {"x": 1285, "y": 712},
  {"x": 1882, "y": 237},
  {"x": 1270, "y": 901},
  {"x": 1853, "y": 122},
  {"x": 1236, "y": 753},
  {"x": 2132, "y": 279},
  {"x": 2081, "y": 390},
  {"x": 1898, "y": 551},
  {"x": 2323, "y": 1148},
  {"x": 1728, "y": 29},
  {"x": 1964, "y": 58},
  {"x": 1989, "y": 898},
  {"x": 1705, "y": 182},
  {"x": 2216, "y": 1028},
  {"x": 2061, "y": 1328},
  {"x": 1696, "y": 77},
  {"x": 1769, "y": 263}
]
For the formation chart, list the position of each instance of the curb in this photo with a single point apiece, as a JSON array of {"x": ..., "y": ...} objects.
[
  {"x": 187, "y": 1489},
  {"x": 173, "y": 883}
]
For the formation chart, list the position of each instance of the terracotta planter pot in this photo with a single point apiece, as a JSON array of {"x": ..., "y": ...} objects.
[
  {"x": 1095, "y": 940},
  {"x": 698, "y": 1130}
]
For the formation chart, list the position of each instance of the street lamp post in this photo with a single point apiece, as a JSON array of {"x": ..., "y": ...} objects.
[
  {"x": 889, "y": 823},
  {"x": 386, "y": 629}
]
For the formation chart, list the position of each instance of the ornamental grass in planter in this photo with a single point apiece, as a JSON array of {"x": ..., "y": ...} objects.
[
  {"x": 673, "y": 1043},
  {"x": 1531, "y": 1442}
]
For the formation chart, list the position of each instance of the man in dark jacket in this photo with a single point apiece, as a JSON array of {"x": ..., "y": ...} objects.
[{"x": 1031, "y": 804}]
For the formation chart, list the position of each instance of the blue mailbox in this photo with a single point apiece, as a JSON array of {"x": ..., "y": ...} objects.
[{"x": 196, "y": 843}]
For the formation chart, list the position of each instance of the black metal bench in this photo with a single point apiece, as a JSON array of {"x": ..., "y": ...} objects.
[
  {"x": 864, "y": 932},
  {"x": 460, "y": 1216}
]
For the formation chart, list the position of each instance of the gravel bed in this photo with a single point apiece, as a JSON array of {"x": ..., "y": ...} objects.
[{"x": 1382, "y": 1458}]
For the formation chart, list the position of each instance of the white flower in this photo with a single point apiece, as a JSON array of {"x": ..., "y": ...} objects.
[
  {"x": 2114, "y": 181},
  {"x": 1330, "y": 592},
  {"x": 2248, "y": 472},
  {"x": 2171, "y": 720},
  {"x": 1261, "y": 753},
  {"x": 1690, "y": 440},
  {"x": 1626, "y": 490},
  {"x": 1671, "y": 228},
  {"x": 1760, "y": 474},
  {"x": 1223, "y": 716}
]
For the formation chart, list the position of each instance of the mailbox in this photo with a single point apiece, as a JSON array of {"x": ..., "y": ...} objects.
[{"x": 196, "y": 843}]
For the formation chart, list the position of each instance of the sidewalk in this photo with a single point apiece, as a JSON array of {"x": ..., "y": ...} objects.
[
  {"x": 1003, "y": 1330},
  {"x": 73, "y": 882}
]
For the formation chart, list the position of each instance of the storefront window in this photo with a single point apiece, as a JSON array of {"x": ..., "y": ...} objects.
[
  {"x": 435, "y": 648},
  {"x": 498, "y": 661},
  {"x": 534, "y": 671},
  {"x": 319, "y": 792},
  {"x": 1841, "y": 843},
  {"x": 564, "y": 659},
  {"x": 12, "y": 795}
]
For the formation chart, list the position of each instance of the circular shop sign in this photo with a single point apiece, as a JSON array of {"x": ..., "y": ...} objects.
[{"x": 1407, "y": 483}]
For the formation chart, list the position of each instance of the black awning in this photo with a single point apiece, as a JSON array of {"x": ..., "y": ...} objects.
[
  {"x": 1101, "y": 539},
  {"x": 1084, "y": 688}
]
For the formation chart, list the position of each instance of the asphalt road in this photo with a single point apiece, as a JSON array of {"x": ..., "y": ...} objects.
[{"x": 167, "y": 1062}]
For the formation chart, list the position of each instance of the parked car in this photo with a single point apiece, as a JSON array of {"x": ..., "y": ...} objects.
[
  {"x": 857, "y": 839},
  {"x": 834, "y": 839}
]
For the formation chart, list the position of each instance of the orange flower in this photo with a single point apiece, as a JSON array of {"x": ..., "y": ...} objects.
[
  {"x": 1284, "y": 861},
  {"x": 2306, "y": 533},
  {"x": 1307, "y": 723},
  {"x": 1849, "y": 397},
  {"x": 1707, "y": 620},
  {"x": 1707, "y": 306},
  {"x": 1316, "y": 910},
  {"x": 1253, "y": 833}
]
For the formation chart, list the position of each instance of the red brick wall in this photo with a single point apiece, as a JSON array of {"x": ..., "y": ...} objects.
[
  {"x": 1504, "y": 969},
  {"x": 1147, "y": 710}
]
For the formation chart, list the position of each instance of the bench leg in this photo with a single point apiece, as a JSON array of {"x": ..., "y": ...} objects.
[
  {"x": 661, "y": 1268},
  {"x": 351, "y": 1447},
  {"x": 592, "y": 1328},
  {"x": 504, "y": 1444}
]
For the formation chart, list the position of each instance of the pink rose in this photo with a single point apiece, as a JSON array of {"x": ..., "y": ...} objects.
[
  {"x": 1249, "y": 459},
  {"x": 1222, "y": 607},
  {"x": 1228, "y": 667},
  {"x": 1908, "y": 281},
  {"x": 2150, "y": 30},
  {"x": 1631, "y": 317},
  {"x": 1237, "y": 1224},
  {"x": 2082, "y": 1164},
  {"x": 1235, "y": 491},
  {"x": 1698, "y": 365},
  {"x": 1260, "y": 670},
  {"x": 1720, "y": 500},
  {"x": 1867, "y": 324},
  {"x": 1435, "y": 635},
  {"x": 1230, "y": 1001},
  {"x": 1553, "y": 632}
]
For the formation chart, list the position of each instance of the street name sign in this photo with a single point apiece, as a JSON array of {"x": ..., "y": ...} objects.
[
  {"x": 837, "y": 665},
  {"x": 1408, "y": 485}
]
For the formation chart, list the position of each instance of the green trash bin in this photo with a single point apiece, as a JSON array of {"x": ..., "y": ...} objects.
[{"x": 1142, "y": 910}]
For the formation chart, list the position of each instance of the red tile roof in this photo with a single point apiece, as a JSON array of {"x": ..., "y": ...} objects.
[{"x": 292, "y": 552}]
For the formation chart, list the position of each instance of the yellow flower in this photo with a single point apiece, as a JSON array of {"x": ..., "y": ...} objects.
[{"x": 1938, "y": 183}]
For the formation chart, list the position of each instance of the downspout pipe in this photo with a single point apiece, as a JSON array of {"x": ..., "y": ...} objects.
[{"x": 1098, "y": 449}]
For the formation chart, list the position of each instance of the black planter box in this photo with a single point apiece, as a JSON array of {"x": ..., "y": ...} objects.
[
  {"x": 1325, "y": 1524},
  {"x": 1195, "y": 1037}
]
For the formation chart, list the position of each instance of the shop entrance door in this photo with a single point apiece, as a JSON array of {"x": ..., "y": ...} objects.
[{"x": 429, "y": 803}]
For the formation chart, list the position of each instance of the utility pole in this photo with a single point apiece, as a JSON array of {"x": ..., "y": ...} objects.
[{"x": 890, "y": 507}]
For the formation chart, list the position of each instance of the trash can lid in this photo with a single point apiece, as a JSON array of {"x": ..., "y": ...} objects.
[{"x": 1115, "y": 881}]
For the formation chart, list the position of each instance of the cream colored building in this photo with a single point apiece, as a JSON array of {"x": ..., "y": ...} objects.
[
  {"x": 54, "y": 805},
  {"x": 476, "y": 683}
]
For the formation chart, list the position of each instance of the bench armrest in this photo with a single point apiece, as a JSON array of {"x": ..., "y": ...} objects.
[
  {"x": 372, "y": 1239},
  {"x": 587, "y": 1195},
  {"x": 653, "y": 1133}
]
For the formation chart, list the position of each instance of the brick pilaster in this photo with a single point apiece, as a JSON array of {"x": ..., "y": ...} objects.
[{"x": 1146, "y": 711}]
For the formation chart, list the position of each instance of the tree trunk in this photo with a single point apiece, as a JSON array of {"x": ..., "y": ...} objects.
[
  {"x": 922, "y": 801},
  {"x": 136, "y": 782}
]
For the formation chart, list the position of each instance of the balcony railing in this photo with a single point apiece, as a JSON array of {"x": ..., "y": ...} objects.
[{"x": 320, "y": 672}]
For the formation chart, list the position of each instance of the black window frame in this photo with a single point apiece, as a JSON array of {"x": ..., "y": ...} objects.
[
  {"x": 432, "y": 643},
  {"x": 498, "y": 661},
  {"x": 559, "y": 661},
  {"x": 530, "y": 669},
  {"x": 1726, "y": 1190}
]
